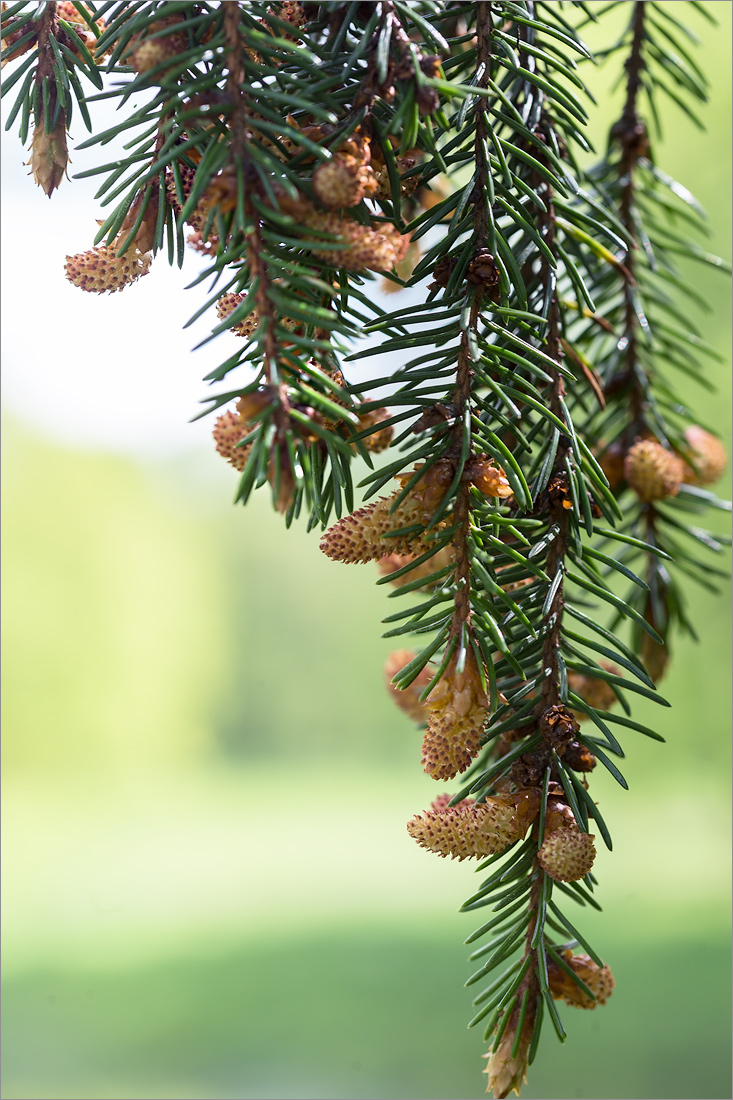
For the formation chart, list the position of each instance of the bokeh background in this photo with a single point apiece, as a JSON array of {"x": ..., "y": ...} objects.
[{"x": 209, "y": 889}]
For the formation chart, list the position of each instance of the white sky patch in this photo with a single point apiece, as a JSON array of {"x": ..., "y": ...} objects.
[{"x": 110, "y": 371}]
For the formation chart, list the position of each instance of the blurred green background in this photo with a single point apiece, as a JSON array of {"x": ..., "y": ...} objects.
[{"x": 209, "y": 889}]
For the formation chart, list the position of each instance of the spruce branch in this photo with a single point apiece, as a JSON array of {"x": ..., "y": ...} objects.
[{"x": 542, "y": 458}]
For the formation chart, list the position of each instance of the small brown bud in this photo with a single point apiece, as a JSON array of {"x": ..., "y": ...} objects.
[
  {"x": 578, "y": 757},
  {"x": 280, "y": 477},
  {"x": 443, "y": 271},
  {"x": 428, "y": 100},
  {"x": 654, "y": 656},
  {"x": 558, "y": 726},
  {"x": 250, "y": 404},
  {"x": 558, "y": 491},
  {"x": 611, "y": 461},
  {"x": 482, "y": 270}
]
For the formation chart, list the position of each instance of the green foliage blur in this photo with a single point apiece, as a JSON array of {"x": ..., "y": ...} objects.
[{"x": 209, "y": 889}]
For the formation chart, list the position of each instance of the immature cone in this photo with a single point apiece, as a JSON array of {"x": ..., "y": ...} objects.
[
  {"x": 187, "y": 176},
  {"x": 291, "y": 11},
  {"x": 380, "y": 439},
  {"x": 229, "y": 429},
  {"x": 344, "y": 180},
  {"x": 49, "y": 155},
  {"x": 611, "y": 461},
  {"x": 362, "y": 535},
  {"x": 150, "y": 52},
  {"x": 471, "y": 831},
  {"x": 567, "y": 854},
  {"x": 378, "y": 247},
  {"x": 207, "y": 247},
  {"x": 508, "y": 1072},
  {"x": 597, "y": 693},
  {"x": 458, "y": 709},
  {"x": 102, "y": 269},
  {"x": 392, "y": 562},
  {"x": 403, "y": 164},
  {"x": 66, "y": 10},
  {"x": 407, "y": 699},
  {"x": 708, "y": 454},
  {"x": 653, "y": 472},
  {"x": 227, "y": 304},
  {"x": 599, "y": 980}
]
